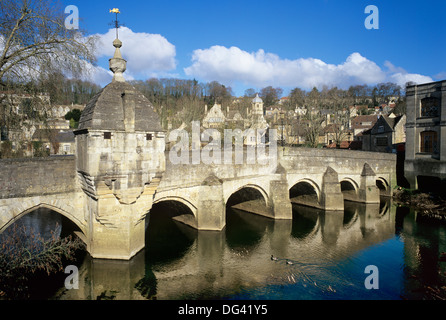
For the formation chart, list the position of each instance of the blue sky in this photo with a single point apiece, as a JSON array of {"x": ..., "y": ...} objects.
[{"x": 253, "y": 44}]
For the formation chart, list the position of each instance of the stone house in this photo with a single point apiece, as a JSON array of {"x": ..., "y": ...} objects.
[
  {"x": 214, "y": 118},
  {"x": 67, "y": 143},
  {"x": 57, "y": 142},
  {"x": 361, "y": 123},
  {"x": 273, "y": 113},
  {"x": 385, "y": 135}
]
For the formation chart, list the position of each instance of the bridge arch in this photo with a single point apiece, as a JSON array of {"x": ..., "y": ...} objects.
[
  {"x": 305, "y": 188},
  {"x": 178, "y": 208},
  {"x": 22, "y": 212},
  {"x": 187, "y": 203},
  {"x": 382, "y": 184},
  {"x": 257, "y": 189},
  {"x": 350, "y": 189}
]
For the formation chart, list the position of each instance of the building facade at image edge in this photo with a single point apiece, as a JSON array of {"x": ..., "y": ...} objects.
[{"x": 425, "y": 161}]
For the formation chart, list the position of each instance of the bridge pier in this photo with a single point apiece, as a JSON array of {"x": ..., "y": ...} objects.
[
  {"x": 368, "y": 191},
  {"x": 117, "y": 230},
  {"x": 368, "y": 214},
  {"x": 332, "y": 198},
  {"x": 211, "y": 209},
  {"x": 280, "y": 205},
  {"x": 331, "y": 225}
]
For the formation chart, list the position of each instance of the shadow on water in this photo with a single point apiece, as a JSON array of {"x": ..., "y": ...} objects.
[
  {"x": 244, "y": 230},
  {"x": 332, "y": 249},
  {"x": 166, "y": 239},
  {"x": 305, "y": 221}
]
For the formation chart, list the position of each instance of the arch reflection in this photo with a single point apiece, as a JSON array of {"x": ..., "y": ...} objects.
[
  {"x": 166, "y": 239},
  {"x": 305, "y": 221}
]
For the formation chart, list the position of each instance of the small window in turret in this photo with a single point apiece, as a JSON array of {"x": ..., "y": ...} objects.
[
  {"x": 149, "y": 137},
  {"x": 107, "y": 135}
]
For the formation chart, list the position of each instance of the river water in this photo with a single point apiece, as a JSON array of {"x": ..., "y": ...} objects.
[{"x": 328, "y": 253}]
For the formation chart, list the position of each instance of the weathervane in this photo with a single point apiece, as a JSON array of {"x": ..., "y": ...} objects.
[
  {"x": 117, "y": 63},
  {"x": 116, "y": 23}
]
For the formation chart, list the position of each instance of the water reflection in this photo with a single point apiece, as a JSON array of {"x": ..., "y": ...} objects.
[
  {"x": 305, "y": 222},
  {"x": 328, "y": 252},
  {"x": 244, "y": 231}
]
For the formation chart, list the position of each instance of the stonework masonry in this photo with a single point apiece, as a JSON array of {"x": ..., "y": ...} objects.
[
  {"x": 111, "y": 217},
  {"x": 37, "y": 176},
  {"x": 425, "y": 131},
  {"x": 121, "y": 169}
]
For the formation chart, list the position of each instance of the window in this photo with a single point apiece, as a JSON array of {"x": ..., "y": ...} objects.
[
  {"x": 430, "y": 107},
  {"x": 381, "y": 129},
  {"x": 107, "y": 135},
  {"x": 428, "y": 142},
  {"x": 381, "y": 141},
  {"x": 149, "y": 137}
]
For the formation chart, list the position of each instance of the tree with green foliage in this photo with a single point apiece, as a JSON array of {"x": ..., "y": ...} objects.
[{"x": 73, "y": 116}]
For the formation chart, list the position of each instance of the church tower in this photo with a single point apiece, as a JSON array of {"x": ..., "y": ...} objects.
[
  {"x": 257, "y": 106},
  {"x": 256, "y": 123}
]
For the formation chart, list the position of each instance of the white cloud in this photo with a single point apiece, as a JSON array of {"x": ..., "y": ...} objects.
[
  {"x": 229, "y": 65},
  {"x": 146, "y": 54},
  {"x": 96, "y": 74},
  {"x": 440, "y": 75},
  {"x": 400, "y": 76}
]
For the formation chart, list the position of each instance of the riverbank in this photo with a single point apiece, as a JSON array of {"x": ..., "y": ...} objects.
[
  {"x": 432, "y": 207},
  {"x": 426, "y": 204}
]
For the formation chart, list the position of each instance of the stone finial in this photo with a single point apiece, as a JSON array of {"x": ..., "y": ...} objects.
[
  {"x": 367, "y": 171},
  {"x": 117, "y": 63}
]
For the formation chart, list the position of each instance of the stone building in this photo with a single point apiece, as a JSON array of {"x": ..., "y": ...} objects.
[
  {"x": 252, "y": 125},
  {"x": 214, "y": 118},
  {"x": 385, "y": 135},
  {"x": 425, "y": 160},
  {"x": 256, "y": 123},
  {"x": 120, "y": 158}
]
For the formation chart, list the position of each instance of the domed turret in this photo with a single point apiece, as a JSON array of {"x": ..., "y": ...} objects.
[{"x": 257, "y": 106}]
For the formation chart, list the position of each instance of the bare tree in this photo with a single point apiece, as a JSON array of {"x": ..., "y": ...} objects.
[
  {"x": 270, "y": 95},
  {"x": 34, "y": 45},
  {"x": 296, "y": 98},
  {"x": 313, "y": 128},
  {"x": 34, "y": 40},
  {"x": 250, "y": 93},
  {"x": 313, "y": 98}
]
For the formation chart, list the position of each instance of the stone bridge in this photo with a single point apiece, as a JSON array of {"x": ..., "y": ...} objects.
[
  {"x": 29, "y": 184},
  {"x": 121, "y": 169},
  {"x": 320, "y": 178}
]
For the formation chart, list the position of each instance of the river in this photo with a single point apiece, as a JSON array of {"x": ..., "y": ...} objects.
[{"x": 328, "y": 253}]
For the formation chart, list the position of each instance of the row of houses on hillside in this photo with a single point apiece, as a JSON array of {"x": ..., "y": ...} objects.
[
  {"x": 349, "y": 128},
  {"x": 52, "y": 134}
]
